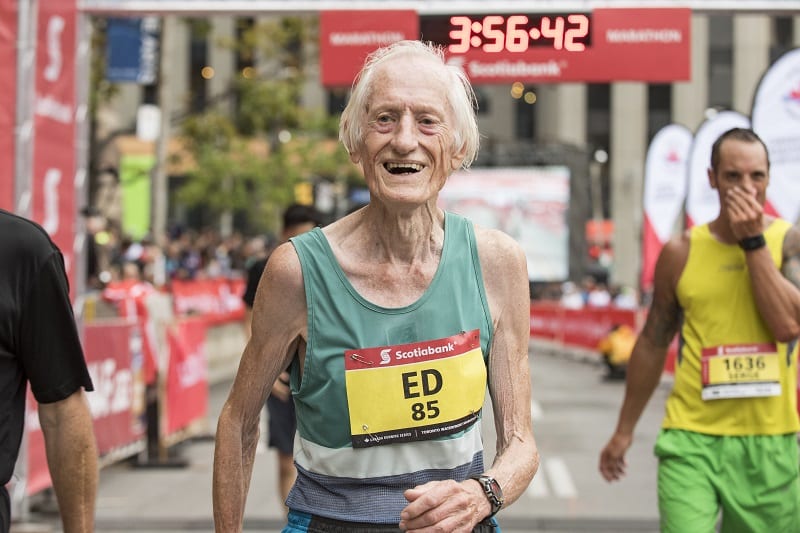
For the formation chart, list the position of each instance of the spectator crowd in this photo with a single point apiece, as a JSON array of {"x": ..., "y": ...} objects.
[{"x": 183, "y": 254}]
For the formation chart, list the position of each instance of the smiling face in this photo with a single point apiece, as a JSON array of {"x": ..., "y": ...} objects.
[{"x": 406, "y": 152}]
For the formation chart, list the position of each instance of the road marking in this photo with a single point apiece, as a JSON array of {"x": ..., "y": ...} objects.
[
  {"x": 536, "y": 410},
  {"x": 552, "y": 479},
  {"x": 558, "y": 473}
]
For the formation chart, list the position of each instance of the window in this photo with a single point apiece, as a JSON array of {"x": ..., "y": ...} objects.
[
  {"x": 198, "y": 59},
  {"x": 659, "y": 108},
  {"x": 720, "y": 61},
  {"x": 782, "y": 35}
]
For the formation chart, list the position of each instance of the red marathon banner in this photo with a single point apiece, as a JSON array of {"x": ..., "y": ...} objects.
[
  {"x": 8, "y": 92},
  {"x": 605, "y": 45},
  {"x": 187, "y": 375},
  {"x": 346, "y": 37},
  {"x": 54, "y": 163}
]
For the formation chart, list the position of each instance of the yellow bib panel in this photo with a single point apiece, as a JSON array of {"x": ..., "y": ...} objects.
[{"x": 731, "y": 376}]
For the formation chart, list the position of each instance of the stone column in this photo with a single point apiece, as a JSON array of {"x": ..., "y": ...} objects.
[
  {"x": 221, "y": 57},
  {"x": 750, "y": 58},
  {"x": 626, "y": 159},
  {"x": 561, "y": 113},
  {"x": 690, "y": 98}
]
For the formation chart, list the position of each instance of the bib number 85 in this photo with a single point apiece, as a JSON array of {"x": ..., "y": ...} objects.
[{"x": 421, "y": 411}]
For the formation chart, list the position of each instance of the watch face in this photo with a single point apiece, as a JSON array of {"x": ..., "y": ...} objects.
[
  {"x": 498, "y": 492},
  {"x": 492, "y": 490}
]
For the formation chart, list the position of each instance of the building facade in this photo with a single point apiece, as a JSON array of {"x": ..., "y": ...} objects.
[{"x": 609, "y": 125}]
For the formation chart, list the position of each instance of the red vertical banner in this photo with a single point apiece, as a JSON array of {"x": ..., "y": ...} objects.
[
  {"x": 186, "y": 398},
  {"x": 54, "y": 164},
  {"x": 8, "y": 94}
]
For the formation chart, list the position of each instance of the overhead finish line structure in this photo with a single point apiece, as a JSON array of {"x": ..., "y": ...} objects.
[{"x": 423, "y": 7}]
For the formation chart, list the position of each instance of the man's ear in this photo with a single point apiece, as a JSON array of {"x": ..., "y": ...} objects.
[
  {"x": 355, "y": 158},
  {"x": 712, "y": 178},
  {"x": 457, "y": 158}
]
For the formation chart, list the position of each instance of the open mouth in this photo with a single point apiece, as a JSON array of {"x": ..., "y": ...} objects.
[{"x": 402, "y": 168}]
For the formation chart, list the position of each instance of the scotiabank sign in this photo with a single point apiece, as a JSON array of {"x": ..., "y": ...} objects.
[
  {"x": 346, "y": 37},
  {"x": 606, "y": 45}
]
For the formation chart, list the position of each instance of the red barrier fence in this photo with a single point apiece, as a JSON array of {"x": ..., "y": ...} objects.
[
  {"x": 578, "y": 327},
  {"x": 141, "y": 350},
  {"x": 218, "y": 300},
  {"x": 113, "y": 355},
  {"x": 584, "y": 328}
]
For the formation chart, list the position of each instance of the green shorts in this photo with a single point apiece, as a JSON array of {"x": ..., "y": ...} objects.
[{"x": 752, "y": 480}]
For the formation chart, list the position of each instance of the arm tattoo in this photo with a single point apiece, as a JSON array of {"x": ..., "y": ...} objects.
[
  {"x": 791, "y": 257},
  {"x": 663, "y": 320}
]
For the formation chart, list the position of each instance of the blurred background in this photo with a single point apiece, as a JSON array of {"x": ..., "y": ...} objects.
[{"x": 158, "y": 141}]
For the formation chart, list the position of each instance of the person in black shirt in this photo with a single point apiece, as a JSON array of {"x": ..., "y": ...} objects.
[{"x": 39, "y": 344}]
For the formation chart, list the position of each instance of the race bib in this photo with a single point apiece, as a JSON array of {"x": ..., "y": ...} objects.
[
  {"x": 417, "y": 391},
  {"x": 740, "y": 371}
]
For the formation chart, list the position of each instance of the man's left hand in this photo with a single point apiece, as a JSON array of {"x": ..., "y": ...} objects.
[{"x": 444, "y": 506}]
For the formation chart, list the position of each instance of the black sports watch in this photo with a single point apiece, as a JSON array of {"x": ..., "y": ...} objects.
[{"x": 493, "y": 492}]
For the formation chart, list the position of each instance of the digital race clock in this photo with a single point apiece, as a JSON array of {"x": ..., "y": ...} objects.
[
  {"x": 599, "y": 46},
  {"x": 508, "y": 33}
]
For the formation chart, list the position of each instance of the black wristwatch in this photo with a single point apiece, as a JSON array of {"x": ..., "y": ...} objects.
[
  {"x": 493, "y": 492},
  {"x": 753, "y": 243}
]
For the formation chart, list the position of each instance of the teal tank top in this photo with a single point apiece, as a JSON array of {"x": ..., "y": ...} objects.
[{"x": 366, "y": 484}]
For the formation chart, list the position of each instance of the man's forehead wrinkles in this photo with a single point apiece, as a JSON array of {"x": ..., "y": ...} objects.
[{"x": 402, "y": 106}]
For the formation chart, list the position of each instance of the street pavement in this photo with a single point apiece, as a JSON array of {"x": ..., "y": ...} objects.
[{"x": 574, "y": 411}]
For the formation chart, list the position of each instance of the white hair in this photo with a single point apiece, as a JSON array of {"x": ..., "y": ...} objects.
[{"x": 460, "y": 96}]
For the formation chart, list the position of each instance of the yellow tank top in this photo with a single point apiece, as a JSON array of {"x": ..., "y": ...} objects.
[{"x": 731, "y": 376}]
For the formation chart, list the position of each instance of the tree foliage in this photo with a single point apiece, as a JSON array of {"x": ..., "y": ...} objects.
[{"x": 250, "y": 160}]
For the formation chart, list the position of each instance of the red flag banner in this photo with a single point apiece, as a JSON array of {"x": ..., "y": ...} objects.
[
  {"x": 187, "y": 375},
  {"x": 666, "y": 168},
  {"x": 8, "y": 93},
  {"x": 54, "y": 164}
]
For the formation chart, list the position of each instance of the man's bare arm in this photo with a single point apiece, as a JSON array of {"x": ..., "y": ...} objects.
[
  {"x": 649, "y": 353},
  {"x": 278, "y": 326},
  {"x": 72, "y": 458},
  {"x": 517, "y": 457},
  {"x": 777, "y": 292},
  {"x": 647, "y": 358}
]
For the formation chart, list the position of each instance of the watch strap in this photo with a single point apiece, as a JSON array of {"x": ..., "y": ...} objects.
[
  {"x": 491, "y": 488},
  {"x": 753, "y": 243}
]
